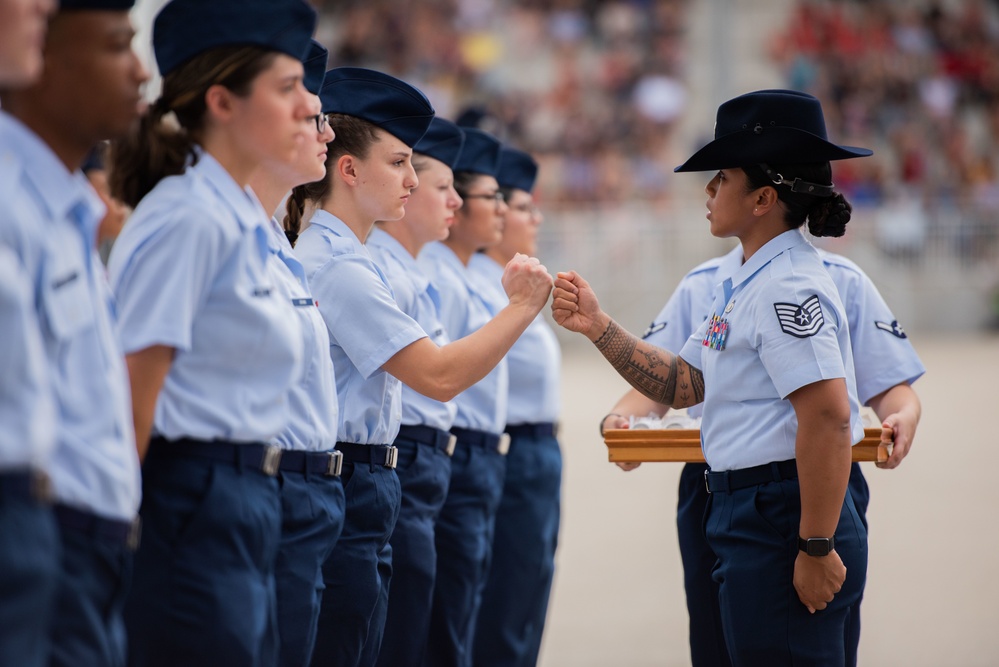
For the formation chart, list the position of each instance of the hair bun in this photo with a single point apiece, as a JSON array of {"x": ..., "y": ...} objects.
[{"x": 829, "y": 216}]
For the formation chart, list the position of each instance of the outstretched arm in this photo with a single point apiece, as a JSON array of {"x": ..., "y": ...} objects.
[{"x": 658, "y": 374}]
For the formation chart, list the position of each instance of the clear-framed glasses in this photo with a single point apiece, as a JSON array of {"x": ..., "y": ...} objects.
[
  {"x": 321, "y": 121},
  {"x": 529, "y": 208},
  {"x": 496, "y": 197}
]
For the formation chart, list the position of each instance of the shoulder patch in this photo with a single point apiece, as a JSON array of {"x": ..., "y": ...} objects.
[
  {"x": 653, "y": 328},
  {"x": 800, "y": 321},
  {"x": 895, "y": 329}
]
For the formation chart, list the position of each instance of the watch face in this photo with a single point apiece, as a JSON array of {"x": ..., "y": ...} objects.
[{"x": 817, "y": 546}]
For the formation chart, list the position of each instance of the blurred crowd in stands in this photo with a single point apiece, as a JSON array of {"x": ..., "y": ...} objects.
[
  {"x": 591, "y": 87},
  {"x": 595, "y": 89}
]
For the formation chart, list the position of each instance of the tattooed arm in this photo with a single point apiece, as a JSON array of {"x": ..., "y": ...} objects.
[{"x": 656, "y": 373}]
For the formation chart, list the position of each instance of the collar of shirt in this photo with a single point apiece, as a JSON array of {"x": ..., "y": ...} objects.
[
  {"x": 379, "y": 238},
  {"x": 326, "y": 219},
  {"x": 59, "y": 193},
  {"x": 243, "y": 203},
  {"x": 772, "y": 248}
]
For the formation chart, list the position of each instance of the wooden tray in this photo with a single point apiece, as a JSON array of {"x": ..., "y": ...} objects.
[{"x": 627, "y": 445}]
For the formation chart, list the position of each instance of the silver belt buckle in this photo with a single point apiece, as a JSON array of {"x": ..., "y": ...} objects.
[
  {"x": 272, "y": 460},
  {"x": 335, "y": 465},
  {"x": 391, "y": 456},
  {"x": 134, "y": 534},
  {"x": 452, "y": 442},
  {"x": 504, "y": 444}
]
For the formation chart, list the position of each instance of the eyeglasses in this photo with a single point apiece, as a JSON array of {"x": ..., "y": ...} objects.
[
  {"x": 496, "y": 197},
  {"x": 321, "y": 121},
  {"x": 530, "y": 209}
]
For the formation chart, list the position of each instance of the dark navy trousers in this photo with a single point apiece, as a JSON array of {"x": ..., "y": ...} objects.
[
  {"x": 515, "y": 599},
  {"x": 707, "y": 641},
  {"x": 88, "y": 627},
  {"x": 29, "y": 573},
  {"x": 424, "y": 471},
  {"x": 312, "y": 514},
  {"x": 464, "y": 546},
  {"x": 754, "y": 533},
  {"x": 203, "y": 589},
  {"x": 358, "y": 572}
]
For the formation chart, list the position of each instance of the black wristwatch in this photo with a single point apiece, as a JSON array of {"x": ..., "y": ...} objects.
[{"x": 817, "y": 546}]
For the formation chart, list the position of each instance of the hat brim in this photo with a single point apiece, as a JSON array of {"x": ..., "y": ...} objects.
[{"x": 780, "y": 145}]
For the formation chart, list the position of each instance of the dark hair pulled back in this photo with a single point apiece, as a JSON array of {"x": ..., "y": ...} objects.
[
  {"x": 161, "y": 146},
  {"x": 826, "y": 216},
  {"x": 353, "y": 136}
]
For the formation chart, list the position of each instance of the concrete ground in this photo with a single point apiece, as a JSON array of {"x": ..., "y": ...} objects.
[{"x": 932, "y": 596}]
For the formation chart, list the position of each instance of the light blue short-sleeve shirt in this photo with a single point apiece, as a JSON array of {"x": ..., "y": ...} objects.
[
  {"x": 419, "y": 299},
  {"x": 366, "y": 328},
  {"x": 312, "y": 404},
  {"x": 190, "y": 271},
  {"x": 784, "y": 327},
  {"x": 27, "y": 408},
  {"x": 51, "y": 225},
  {"x": 534, "y": 362},
  {"x": 464, "y": 310},
  {"x": 690, "y": 305},
  {"x": 883, "y": 356}
]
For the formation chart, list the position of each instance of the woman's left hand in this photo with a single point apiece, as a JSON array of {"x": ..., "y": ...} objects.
[{"x": 817, "y": 580}]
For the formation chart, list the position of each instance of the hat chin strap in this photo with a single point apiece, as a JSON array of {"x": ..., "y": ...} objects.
[{"x": 798, "y": 185}]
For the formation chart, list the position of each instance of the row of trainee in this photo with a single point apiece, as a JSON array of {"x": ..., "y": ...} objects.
[
  {"x": 249, "y": 392},
  {"x": 340, "y": 418}
]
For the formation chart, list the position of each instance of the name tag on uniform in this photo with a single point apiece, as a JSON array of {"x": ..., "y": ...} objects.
[
  {"x": 303, "y": 303},
  {"x": 261, "y": 291},
  {"x": 717, "y": 333}
]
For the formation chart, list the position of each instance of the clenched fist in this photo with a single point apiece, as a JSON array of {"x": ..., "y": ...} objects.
[{"x": 526, "y": 281}]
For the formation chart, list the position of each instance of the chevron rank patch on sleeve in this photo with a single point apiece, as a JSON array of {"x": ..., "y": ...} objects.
[{"x": 800, "y": 321}]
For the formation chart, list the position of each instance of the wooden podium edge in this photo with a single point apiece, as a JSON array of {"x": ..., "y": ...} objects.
[{"x": 684, "y": 446}]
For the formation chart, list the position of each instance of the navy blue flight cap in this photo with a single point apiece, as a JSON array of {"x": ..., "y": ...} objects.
[
  {"x": 381, "y": 99},
  {"x": 480, "y": 154},
  {"x": 186, "y": 28},
  {"x": 769, "y": 126},
  {"x": 105, "y": 5},
  {"x": 315, "y": 67},
  {"x": 443, "y": 141},
  {"x": 517, "y": 170}
]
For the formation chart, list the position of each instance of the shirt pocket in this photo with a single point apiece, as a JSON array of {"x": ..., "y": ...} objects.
[{"x": 66, "y": 299}]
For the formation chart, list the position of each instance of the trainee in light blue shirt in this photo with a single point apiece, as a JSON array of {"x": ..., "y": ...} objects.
[
  {"x": 50, "y": 222},
  {"x": 786, "y": 328},
  {"x": 190, "y": 271},
  {"x": 312, "y": 404},
  {"x": 534, "y": 361},
  {"x": 483, "y": 406},
  {"x": 419, "y": 299},
  {"x": 366, "y": 328}
]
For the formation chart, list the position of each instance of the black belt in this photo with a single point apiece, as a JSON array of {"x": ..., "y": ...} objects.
[
  {"x": 428, "y": 435},
  {"x": 92, "y": 526},
  {"x": 538, "y": 430},
  {"x": 25, "y": 485},
  {"x": 383, "y": 455},
  {"x": 489, "y": 441},
  {"x": 733, "y": 480},
  {"x": 249, "y": 455},
  {"x": 324, "y": 463}
]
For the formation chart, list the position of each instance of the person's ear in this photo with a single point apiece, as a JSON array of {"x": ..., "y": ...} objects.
[{"x": 347, "y": 168}]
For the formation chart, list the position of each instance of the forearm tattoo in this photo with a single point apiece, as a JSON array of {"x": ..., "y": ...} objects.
[{"x": 657, "y": 374}]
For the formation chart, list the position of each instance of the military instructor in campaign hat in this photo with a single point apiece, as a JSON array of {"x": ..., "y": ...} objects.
[{"x": 774, "y": 368}]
